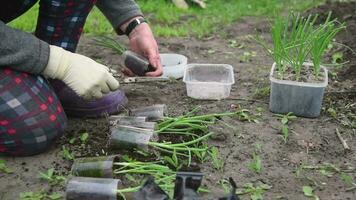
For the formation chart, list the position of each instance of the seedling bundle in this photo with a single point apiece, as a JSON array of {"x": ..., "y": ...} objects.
[{"x": 136, "y": 63}]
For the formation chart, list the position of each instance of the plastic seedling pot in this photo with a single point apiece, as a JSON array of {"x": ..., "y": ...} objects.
[
  {"x": 209, "y": 81},
  {"x": 173, "y": 65},
  {"x": 139, "y": 122},
  {"x": 94, "y": 167},
  {"x": 153, "y": 113},
  {"x": 136, "y": 63},
  {"x": 126, "y": 137},
  {"x": 300, "y": 98},
  {"x": 79, "y": 188}
]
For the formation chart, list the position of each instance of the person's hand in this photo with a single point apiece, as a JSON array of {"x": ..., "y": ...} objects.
[
  {"x": 86, "y": 77},
  {"x": 143, "y": 42}
]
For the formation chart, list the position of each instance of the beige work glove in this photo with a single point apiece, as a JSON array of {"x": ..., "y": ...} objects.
[{"x": 86, "y": 77}]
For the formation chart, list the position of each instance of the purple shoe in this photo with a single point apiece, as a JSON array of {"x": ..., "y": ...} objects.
[{"x": 76, "y": 106}]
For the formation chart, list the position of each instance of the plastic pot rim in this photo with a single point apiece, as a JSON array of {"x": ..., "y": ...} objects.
[
  {"x": 297, "y": 83},
  {"x": 226, "y": 66}
]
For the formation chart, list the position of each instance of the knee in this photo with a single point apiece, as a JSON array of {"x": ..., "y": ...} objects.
[{"x": 34, "y": 141}]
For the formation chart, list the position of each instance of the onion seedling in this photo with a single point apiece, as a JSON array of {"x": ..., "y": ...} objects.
[
  {"x": 322, "y": 38},
  {"x": 189, "y": 124},
  {"x": 297, "y": 39},
  {"x": 110, "y": 43}
]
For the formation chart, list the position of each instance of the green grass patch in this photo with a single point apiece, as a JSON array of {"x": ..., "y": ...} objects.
[{"x": 168, "y": 20}]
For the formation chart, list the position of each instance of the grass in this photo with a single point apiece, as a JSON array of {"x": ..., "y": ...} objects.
[{"x": 168, "y": 20}]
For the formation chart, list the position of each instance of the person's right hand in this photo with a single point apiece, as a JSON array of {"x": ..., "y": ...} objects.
[{"x": 86, "y": 77}]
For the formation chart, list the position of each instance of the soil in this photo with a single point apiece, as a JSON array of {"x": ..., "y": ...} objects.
[
  {"x": 310, "y": 141},
  {"x": 307, "y": 75}
]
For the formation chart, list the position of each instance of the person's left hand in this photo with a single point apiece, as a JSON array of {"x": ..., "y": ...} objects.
[{"x": 143, "y": 42}]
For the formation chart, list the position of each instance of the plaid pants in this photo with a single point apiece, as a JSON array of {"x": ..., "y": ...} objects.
[{"x": 31, "y": 116}]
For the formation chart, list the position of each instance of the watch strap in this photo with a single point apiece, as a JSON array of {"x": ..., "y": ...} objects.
[{"x": 132, "y": 25}]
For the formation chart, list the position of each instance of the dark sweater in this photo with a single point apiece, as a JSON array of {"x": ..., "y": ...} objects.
[{"x": 24, "y": 52}]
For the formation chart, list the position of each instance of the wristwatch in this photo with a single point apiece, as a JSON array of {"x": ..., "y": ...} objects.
[{"x": 132, "y": 25}]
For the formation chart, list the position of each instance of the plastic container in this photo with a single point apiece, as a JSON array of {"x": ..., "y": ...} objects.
[
  {"x": 101, "y": 167},
  {"x": 138, "y": 64},
  {"x": 209, "y": 81},
  {"x": 79, "y": 188},
  {"x": 125, "y": 137},
  {"x": 153, "y": 113},
  {"x": 139, "y": 122},
  {"x": 302, "y": 99},
  {"x": 173, "y": 65}
]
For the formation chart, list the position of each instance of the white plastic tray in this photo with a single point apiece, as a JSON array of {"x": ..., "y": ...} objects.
[{"x": 209, "y": 81}]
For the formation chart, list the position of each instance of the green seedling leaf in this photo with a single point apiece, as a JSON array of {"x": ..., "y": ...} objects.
[
  {"x": 211, "y": 51},
  {"x": 215, "y": 157},
  {"x": 347, "y": 179},
  {"x": 256, "y": 164},
  {"x": 48, "y": 176},
  {"x": 255, "y": 192},
  {"x": 225, "y": 184},
  {"x": 39, "y": 196},
  {"x": 235, "y": 44},
  {"x": 332, "y": 112},
  {"x": 247, "y": 56},
  {"x": 54, "y": 196},
  {"x": 32, "y": 195},
  {"x": 337, "y": 57},
  {"x": 174, "y": 161},
  {"x": 4, "y": 168},
  {"x": 84, "y": 137},
  {"x": 284, "y": 120},
  {"x": 285, "y": 133},
  {"x": 308, "y": 191},
  {"x": 72, "y": 141},
  {"x": 66, "y": 154},
  {"x": 51, "y": 178}
]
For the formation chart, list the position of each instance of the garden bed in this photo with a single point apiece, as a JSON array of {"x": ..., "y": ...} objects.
[{"x": 311, "y": 142}]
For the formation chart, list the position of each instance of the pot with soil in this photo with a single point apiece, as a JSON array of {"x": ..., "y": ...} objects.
[
  {"x": 102, "y": 167},
  {"x": 298, "y": 86},
  {"x": 301, "y": 98},
  {"x": 92, "y": 188},
  {"x": 126, "y": 137}
]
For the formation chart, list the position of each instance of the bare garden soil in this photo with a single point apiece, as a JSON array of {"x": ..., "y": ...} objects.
[{"x": 311, "y": 141}]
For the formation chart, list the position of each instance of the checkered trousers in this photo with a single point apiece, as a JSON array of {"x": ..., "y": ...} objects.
[
  {"x": 31, "y": 116},
  {"x": 60, "y": 22}
]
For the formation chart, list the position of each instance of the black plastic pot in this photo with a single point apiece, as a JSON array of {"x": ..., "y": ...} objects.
[
  {"x": 125, "y": 137},
  {"x": 94, "y": 167},
  {"x": 85, "y": 188},
  {"x": 138, "y": 64},
  {"x": 153, "y": 113}
]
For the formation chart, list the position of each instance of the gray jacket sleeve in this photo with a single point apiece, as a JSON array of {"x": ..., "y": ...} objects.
[
  {"x": 118, "y": 11},
  {"x": 22, "y": 51}
]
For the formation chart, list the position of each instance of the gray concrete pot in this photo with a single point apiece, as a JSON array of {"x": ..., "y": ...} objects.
[{"x": 302, "y": 99}]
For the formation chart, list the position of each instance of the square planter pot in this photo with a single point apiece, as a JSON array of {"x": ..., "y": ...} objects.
[{"x": 300, "y": 98}]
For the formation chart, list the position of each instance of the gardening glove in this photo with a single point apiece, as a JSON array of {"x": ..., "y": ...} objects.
[
  {"x": 86, "y": 77},
  {"x": 143, "y": 42}
]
